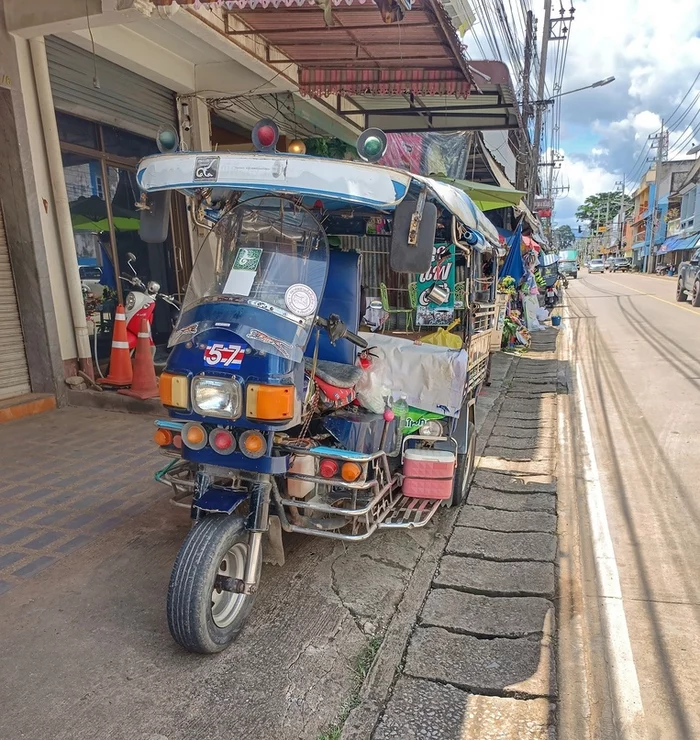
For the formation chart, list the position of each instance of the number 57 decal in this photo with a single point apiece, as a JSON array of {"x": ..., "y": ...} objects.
[{"x": 224, "y": 355}]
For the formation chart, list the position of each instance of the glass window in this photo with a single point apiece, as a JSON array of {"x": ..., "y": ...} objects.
[
  {"x": 77, "y": 131},
  {"x": 127, "y": 145},
  {"x": 154, "y": 262},
  {"x": 85, "y": 187}
]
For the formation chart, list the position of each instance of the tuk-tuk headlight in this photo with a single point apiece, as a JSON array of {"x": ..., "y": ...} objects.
[
  {"x": 216, "y": 397},
  {"x": 431, "y": 428}
]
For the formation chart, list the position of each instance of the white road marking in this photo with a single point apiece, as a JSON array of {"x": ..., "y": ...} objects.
[{"x": 628, "y": 709}]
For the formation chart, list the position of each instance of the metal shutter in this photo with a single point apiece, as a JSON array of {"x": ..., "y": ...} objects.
[
  {"x": 14, "y": 375},
  {"x": 123, "y": 99}
]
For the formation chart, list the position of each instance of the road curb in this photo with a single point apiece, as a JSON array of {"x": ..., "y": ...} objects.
[{"x": 362, "y": 720}]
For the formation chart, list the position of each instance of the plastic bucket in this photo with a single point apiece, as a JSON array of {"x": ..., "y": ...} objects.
[{"x": 556, "y": 320}]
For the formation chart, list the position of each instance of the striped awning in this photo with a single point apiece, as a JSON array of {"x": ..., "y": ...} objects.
[{"x": 388, "y": 81}]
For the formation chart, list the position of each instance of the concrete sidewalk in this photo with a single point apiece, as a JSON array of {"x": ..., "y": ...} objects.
[
  {"x": 85, "y": 650},
  {"x": 478, "y": 660}
]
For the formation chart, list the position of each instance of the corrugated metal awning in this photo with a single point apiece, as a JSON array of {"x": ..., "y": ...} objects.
[{"x": 322, "y": 81}]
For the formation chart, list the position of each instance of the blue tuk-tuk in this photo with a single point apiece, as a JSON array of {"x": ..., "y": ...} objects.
[{"x": 285, "y": 412}]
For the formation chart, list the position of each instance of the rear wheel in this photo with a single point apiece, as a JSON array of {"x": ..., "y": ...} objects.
[
  {"x": 696, "y": 294},
  {"x": 465, "y": 466},
  {"x": 203, "y": 616},
  {"x": 681, "y": 294}
]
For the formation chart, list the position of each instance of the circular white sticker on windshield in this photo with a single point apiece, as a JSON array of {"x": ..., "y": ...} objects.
[{"x": 300, "y": 299}]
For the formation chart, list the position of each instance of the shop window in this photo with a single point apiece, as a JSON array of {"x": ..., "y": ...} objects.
[
  {"x": 77, "y": 131},
  {"x": 100, "y": 173},
  {"x": 125, "y": 144}
]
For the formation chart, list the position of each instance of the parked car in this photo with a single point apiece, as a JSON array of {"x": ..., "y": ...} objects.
[
  {"x": 568, "y": 268},
  {"x": 596, "y": 266},
  {"x": 621, "y": 264},
  {"x": 689, "y": 280}
]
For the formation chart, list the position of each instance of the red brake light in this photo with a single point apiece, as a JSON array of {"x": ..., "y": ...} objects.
[
  {"x": 328, "y": 468},
  {"x": 222, "y": 441}
]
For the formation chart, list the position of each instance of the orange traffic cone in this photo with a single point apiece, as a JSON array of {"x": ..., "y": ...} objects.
[
  {"x": 145, "y": 384},
  {"x": 120, "y": 371}
]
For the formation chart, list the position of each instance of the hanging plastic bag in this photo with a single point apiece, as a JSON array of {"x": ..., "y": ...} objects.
[
  {"x": 370, "y": 390},
  {"x": 443, "y": 338}
]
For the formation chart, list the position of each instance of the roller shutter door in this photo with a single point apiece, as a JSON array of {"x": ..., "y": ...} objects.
[
  {"x": 123, "y": 99},
  {"x": 14, "y": 375}
]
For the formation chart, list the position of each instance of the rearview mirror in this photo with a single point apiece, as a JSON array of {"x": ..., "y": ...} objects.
[
  {"x": 407, "y": 257},
  {"x": 155, "y": 218}
]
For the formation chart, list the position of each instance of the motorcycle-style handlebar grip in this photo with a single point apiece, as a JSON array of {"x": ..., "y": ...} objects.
[{"x": 355, "y": 339}]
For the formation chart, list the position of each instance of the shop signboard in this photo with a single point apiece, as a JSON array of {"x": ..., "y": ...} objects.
[{"x": 436, "y": 289}]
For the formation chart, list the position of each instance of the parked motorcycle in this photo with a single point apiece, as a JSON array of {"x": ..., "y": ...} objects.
[
  {"x": 141, "y": 303},
  {"x": 663, "y": 270}
]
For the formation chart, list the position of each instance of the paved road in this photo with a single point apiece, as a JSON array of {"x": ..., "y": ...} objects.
[{"x": 639, "y": 355}]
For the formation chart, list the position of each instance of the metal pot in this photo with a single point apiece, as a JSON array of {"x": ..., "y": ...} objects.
[{"x": 439, "y": 294}]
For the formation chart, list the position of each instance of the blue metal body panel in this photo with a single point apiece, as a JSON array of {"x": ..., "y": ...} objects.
[
  {"x": 342, "y": 297},
  {"x": 237, "y": 461},
  {"x": 220, "y": 500}
]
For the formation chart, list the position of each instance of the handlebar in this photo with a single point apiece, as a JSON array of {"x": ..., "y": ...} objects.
[
  {"x": 169, "y": 299},
  {"x": 355, "y": 339},
  {"x": 337, "y": 329}
]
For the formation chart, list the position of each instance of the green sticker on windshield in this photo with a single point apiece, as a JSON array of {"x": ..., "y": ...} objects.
[{"x": 248, "y": 258}]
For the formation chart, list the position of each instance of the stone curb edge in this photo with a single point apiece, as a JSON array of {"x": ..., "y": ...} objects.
[{"x": 375, "y": 690}]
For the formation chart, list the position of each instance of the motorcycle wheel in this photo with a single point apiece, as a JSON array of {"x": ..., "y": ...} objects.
[
  {"x": 696, "y": 295},
  {"x": 202, "y": 617},
  {"x": 465, "y": 468},
  {"x": 681, "y": 294}
]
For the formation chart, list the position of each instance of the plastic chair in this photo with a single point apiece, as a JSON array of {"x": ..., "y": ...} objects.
[
  {"x": 408, "y": 312},
  {"x": 460, "y": 295}
]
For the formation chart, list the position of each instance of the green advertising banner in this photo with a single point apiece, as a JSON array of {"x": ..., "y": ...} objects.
[{"x": 436, "y": 289}]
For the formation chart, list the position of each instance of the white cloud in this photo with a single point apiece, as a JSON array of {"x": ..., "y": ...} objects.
[{"x": 653, "y": 50}]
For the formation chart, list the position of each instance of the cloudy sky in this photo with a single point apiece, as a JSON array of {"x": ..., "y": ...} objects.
[{"x": 652, "y": 47}]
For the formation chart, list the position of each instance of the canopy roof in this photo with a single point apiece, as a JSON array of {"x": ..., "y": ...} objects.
[
  {"x": 332, "y": 181},
  {"x": 487, "y": 197},
  {"x": 411, "y": 75}
]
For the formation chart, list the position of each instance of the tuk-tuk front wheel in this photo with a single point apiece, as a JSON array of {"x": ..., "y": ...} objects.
[{"x": 203, "y": 616}]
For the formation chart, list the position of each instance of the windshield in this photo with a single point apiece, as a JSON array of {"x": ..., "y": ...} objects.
[
  {"x": 260, "y": 274},
  {"x": 596, "y": 262}
]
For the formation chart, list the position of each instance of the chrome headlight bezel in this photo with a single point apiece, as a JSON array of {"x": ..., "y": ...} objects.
[
  {"x": 228, "y": 390},
  {"x": 431, "y": 428}
]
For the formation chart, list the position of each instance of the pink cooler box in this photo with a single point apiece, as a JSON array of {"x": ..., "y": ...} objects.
[{"x": 428, "y": 473}]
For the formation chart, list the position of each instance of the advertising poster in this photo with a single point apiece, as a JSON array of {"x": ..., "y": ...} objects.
[
  {"x": 405, "y": 152},
  {"x": 436, "y": 289}
]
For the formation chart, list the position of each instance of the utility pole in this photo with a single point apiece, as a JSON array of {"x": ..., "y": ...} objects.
[
  {"x": 546, "y": 32},
  {"x": 660, "y": 154},
  {"x": 621, "y": 214},
  {"x": 524, "y": 168}
]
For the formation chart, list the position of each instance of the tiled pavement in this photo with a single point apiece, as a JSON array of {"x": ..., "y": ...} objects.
[
  {"x": 68, "y": 477},
  {"x": 480, "y": 662}
]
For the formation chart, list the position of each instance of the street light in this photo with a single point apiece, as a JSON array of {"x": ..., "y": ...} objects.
[{"x": 599, "y": 83}]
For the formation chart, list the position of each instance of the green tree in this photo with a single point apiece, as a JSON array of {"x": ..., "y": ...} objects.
[
  {"x": 564, "y": 237},
  {"x": 594, "y": 209}
]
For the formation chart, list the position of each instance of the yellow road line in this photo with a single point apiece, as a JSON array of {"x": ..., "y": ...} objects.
[{"x": 663, "y": 300}]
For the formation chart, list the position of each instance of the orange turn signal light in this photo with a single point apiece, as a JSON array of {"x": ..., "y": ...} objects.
[
  {"x": 163, "y": 437},
  {"x": 173, "y": 390},
  {"x": 350, "y": 471},
  {"x": 269, "y": 402},
  {"x": 194, "y": 436},
  {"x": 252, "y": 444}
]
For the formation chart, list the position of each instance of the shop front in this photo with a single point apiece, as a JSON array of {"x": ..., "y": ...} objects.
[{"x": 103, "y": 133}]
